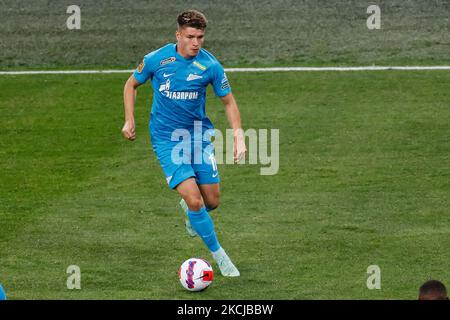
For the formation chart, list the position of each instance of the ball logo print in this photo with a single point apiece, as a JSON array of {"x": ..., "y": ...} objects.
[
  {"x": 190, "y": 274},
  {"x": 195, "y": 274}
]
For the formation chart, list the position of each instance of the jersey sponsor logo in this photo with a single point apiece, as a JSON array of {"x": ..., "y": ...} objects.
[
  {"x": 193, "y": 77},
  {"x": 199, "y": 65},
  {"x": 168, "y": 75},
  {"x": 177, "y": 95},
  {"x": 166, "y": 61},
  {"x": 141, "y": 66},
  {"x": 181, "y": 95},
  {"x": 165, "y": 86}
]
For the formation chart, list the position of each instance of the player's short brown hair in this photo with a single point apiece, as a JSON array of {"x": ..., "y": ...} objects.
[{"x": 192, "y": 18}]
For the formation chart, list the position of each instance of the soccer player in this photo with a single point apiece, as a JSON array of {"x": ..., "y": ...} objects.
[
  {"x": 180, "y": 74},
  {"x": 433, "y": 290}
]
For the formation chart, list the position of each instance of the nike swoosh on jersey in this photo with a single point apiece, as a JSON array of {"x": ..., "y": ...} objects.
[
  {"x": 215, "y": 175},
  {"x": 168, "y": 75}
]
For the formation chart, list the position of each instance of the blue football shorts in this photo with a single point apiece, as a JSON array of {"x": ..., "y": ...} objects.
[{"x": 181, "y": 161}]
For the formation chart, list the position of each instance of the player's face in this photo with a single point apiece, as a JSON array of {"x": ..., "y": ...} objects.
[{"x": 190, "y": 41}]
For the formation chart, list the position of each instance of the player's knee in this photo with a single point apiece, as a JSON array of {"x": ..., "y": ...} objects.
[
  {"x": 213, "y": 203},
  {"x": 195, "y": 203}
]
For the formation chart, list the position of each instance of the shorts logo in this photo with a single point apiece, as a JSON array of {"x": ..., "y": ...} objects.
[
  {"x": 168, "y": 60},
  {"x": 141, "y": 66}
]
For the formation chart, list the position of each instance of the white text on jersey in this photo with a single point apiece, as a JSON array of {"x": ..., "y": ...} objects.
[{"x": 181, "y": 95}]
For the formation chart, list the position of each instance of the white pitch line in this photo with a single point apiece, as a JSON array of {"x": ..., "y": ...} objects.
[
  {"x": 268, "y": 69},
  {"x": 31, "y": 72},
  {"x": 368, "y": 68}
]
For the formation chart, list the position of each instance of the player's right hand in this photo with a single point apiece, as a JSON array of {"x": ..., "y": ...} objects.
[{"x": 128, "y": 130}]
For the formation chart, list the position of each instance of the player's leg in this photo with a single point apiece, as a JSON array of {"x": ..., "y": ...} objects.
[
  {"x": 199, "y": 218},
  {"x": 207, "y": 178},
  {"x": 191, "y": 194},
  {"x": 190, "y": 231},
  {"x": 209, "y": 186},
  {"x": 211, "y": 198},
  {"x": 175, "y": 174},
  {"x": 203, "y": 225},
  {"x": 211, "y": 195}
]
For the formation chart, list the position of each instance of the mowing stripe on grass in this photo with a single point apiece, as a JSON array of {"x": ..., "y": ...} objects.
[{"x": 268, "y": 69}]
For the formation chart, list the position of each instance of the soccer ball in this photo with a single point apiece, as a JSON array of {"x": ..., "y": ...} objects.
[{"x": 195, "y": 274}]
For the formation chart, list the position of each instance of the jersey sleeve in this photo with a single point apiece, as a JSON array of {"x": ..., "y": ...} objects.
[
  {"x": 145, "y": 69},
  {"x": 219, "y": 81}
]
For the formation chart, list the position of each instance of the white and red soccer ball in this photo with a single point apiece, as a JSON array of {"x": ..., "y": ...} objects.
[{"x": 195, "y": 274}]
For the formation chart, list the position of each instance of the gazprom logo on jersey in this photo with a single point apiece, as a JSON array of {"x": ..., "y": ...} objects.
[
  {"x": 177, "y": 95},
  {"x": 207, "y": 151}
]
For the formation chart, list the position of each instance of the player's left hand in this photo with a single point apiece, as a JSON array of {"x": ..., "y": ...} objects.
[
  {"x": 239, "y": 146},
  {"x": 128, "y": 130}
]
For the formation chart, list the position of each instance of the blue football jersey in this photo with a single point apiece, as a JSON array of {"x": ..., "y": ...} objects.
[{"x": 179, "y": 87}]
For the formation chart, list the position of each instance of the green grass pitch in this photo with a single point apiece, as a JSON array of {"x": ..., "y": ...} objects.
[{"x": 364, "y": 180}]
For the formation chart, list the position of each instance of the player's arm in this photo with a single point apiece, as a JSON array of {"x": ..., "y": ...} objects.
[
  {"x": 234, "y": 118},
  {"x": 129, "y": 100}
]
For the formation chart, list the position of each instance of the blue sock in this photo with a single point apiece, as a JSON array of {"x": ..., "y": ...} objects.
[{"x": 203, "y": 225}]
